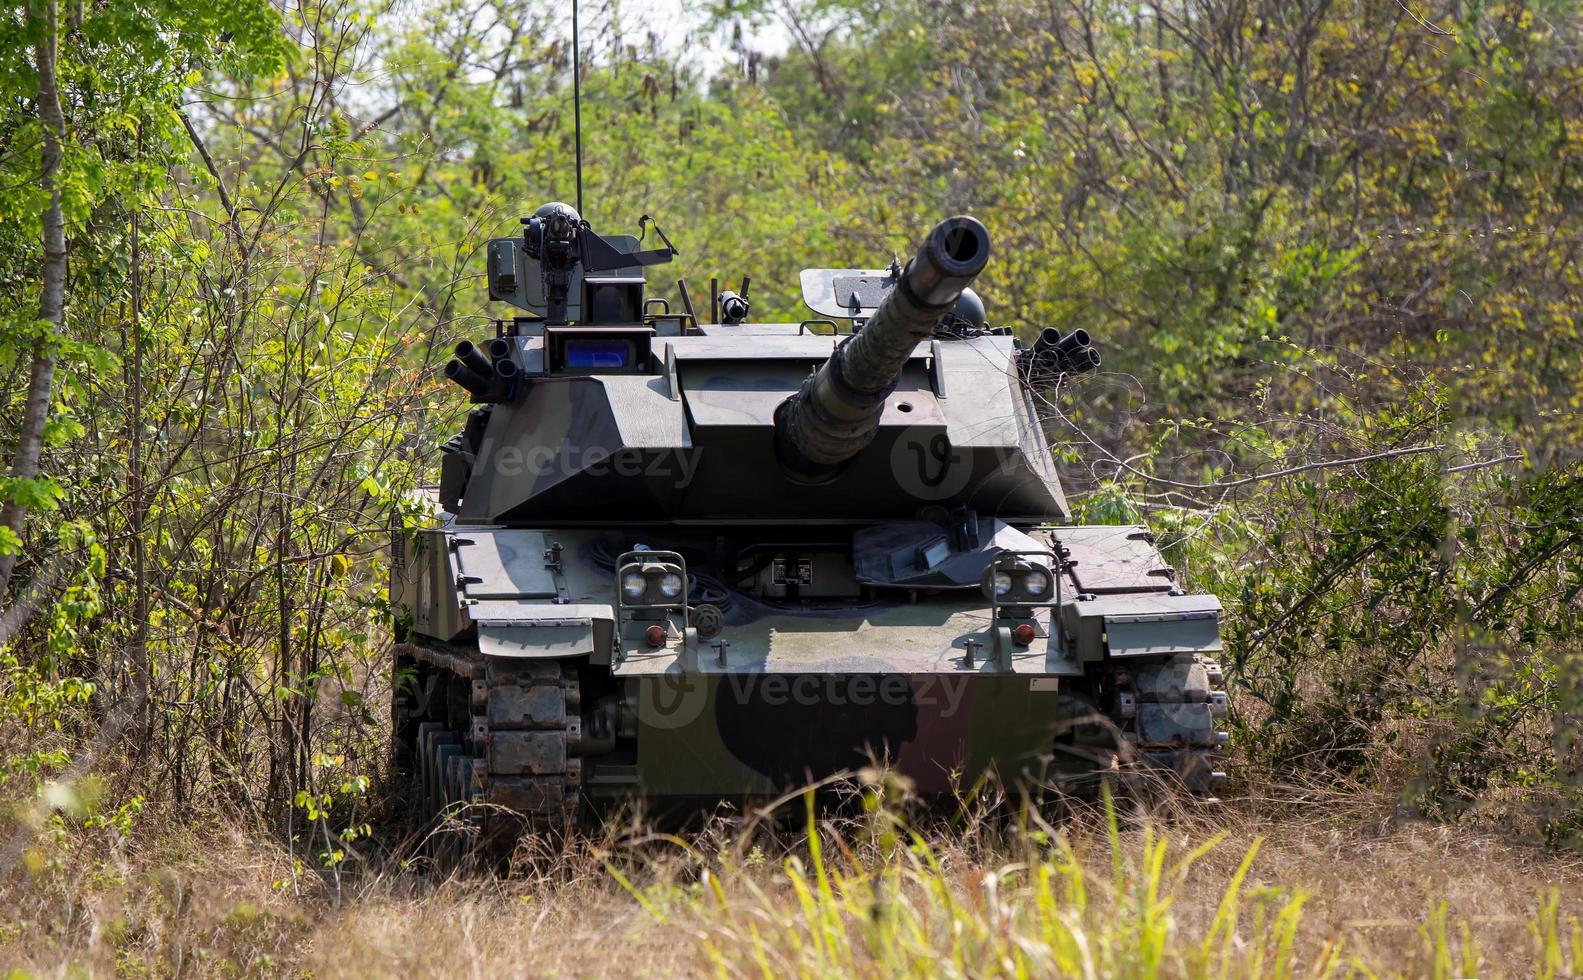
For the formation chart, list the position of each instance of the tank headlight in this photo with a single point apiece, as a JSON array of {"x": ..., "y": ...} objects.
[
  {"x": 633, "y": 585},
  {"x": 1002, "y": 583},
  {"x": 670, "y": 585},
  {"x": 1036, "y": 583}
]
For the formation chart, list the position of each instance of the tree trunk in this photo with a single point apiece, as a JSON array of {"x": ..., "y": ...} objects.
[{"x": 52, "y": 301}]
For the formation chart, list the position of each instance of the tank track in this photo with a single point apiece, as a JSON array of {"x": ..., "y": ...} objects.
[
  {"x": 494, "y": 745},
  {"x": 493, "y": 742},
  {"x": 1169, "y": 715}
]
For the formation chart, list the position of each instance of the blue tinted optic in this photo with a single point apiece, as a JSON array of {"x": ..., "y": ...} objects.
[{"x": 598, "y": 354}]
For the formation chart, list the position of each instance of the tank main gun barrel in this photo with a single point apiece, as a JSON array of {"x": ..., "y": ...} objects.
[{"x": 836, "y": 411}]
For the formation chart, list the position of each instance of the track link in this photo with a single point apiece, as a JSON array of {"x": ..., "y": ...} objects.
[
  {"x": 527, "y": 727},
  {"x": 491, "y": 741},
  {"x": 1170, "y": 714}
]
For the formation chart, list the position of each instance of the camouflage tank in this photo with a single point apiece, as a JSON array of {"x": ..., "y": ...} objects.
[{"x": 682, "y": 560}]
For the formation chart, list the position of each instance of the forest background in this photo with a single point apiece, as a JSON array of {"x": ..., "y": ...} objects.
[{"x": 237, "y": 241}]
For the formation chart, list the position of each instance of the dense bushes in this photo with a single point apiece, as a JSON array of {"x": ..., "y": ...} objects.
[{"x": 1406, "y": 625}]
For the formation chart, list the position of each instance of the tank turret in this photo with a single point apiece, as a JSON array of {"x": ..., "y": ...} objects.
[{"x": 837, "y": 410}]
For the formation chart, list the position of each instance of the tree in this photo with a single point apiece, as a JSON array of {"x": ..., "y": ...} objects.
[{"x": 44, "y": 25}]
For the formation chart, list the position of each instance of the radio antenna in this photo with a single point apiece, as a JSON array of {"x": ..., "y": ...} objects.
[{"x": 577, "y": 106}]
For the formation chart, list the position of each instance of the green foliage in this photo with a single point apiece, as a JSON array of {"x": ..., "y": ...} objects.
[
  {"x": 1107, "y": 504},
  {"x": 225, "y": 386}
]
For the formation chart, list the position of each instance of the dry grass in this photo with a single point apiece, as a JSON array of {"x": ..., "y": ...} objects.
[{"x": 1330, "y": 888}]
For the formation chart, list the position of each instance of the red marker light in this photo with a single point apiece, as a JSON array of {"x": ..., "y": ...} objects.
[
  {"x": 1023, "y": 634},
  {"x": 655, "y": 635}
]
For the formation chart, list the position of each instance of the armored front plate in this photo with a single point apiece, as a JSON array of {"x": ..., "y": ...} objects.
[
  {"x": 504, "y": 565},
  {"x": 803, "y": 351},
  {"x": 1114, "y": 559},
  {"x": 756, "y": 734},
  {"x": 914, "y": 639},
  {"x": 715, "y": 396}
]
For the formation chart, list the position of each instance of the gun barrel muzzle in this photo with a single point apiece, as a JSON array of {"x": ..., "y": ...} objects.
[{"x": 836, "y": 412}]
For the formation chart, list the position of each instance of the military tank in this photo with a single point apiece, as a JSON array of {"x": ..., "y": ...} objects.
[{"x": 679, "y": 558}]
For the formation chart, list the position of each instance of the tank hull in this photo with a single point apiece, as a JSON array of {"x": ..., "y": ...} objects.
[
  {"x": 523, "y": 684},
  {"x": 767, "y": 734}
]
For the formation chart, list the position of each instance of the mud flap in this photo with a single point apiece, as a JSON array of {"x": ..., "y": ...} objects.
[
  {"x": 536, "y": 642},
  {"x": 1155, "y": 636},
  {"x": 1144, "y": 625}
]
